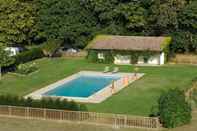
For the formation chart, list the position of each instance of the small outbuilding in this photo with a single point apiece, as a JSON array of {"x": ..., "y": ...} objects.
[{"x": 129, "y": 49}]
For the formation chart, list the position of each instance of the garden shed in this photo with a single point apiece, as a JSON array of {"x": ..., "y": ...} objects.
[{"x": 129, "y": 49}]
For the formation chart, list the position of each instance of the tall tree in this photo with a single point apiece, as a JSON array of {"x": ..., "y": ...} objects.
[
  {"x": 188, "y": 17},
  {"x": 66, "y": 20},
  {"x": 129, "y": 14},
  {"x": 184, "y": 41},
  {"x": 17, "y": 21},
  {"x": 102, "y": 9},
  {"x": 133, "y": 14},
  {"x": 164, "y": 15},
  {"x": 5, "y": 59}
]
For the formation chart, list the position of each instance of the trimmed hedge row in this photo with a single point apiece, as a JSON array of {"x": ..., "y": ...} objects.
[
  {"x": 43, "y": 103},
  {"x": 29, "y": 55}
]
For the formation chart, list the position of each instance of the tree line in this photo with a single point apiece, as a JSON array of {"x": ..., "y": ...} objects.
[{"x": 76, "y": 22}]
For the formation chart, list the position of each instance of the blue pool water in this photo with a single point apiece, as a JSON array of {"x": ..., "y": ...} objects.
[{"x": 83, "y": 86}]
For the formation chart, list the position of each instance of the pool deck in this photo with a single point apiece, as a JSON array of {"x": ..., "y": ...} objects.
[{"x": 98, "y": 97}]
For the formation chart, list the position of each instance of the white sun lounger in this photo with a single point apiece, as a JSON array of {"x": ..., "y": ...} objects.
[
  {"x": 116, "y": 70},
  {"x": 106, "y": 70}
]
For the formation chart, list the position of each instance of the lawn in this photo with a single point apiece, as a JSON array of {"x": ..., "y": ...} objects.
[
  {"x": 14, "y": 124},
  {"x": 137, "y": 99}
]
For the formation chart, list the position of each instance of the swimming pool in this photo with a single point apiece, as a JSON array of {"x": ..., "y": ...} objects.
[
  {"x": 82, "y": 86},
  {"x": 86, "y": 86}
]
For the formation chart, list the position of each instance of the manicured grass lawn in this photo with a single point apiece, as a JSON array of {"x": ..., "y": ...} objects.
[{"x": 137, "y": 99}]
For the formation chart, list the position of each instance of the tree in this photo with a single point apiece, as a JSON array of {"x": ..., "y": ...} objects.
[
  {"x": 103, "y": 10},
  {"x": 5, "y": 59},
  {"x": 164, "y": 15},
  {"x": 65, "y": 20},
  {"x": 129, "y": 14},
  {"x": 17, "y": 21},
  {"x": 188, "y": 17},
  {"x": 184, "y": 41},
  {"x": 133, "y": 14},
  {"x": 50, "y": 47}
]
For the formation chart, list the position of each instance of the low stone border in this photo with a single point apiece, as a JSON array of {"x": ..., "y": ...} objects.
[{"x": 98, "y": 97}]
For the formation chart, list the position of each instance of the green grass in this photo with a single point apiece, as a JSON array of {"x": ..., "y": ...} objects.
[{"x": 137, "y": 99}]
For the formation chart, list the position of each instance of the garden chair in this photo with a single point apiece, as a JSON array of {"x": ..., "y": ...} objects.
[
  {"x": 116, "y": 70},
  {"x": 106, "y": 70}
]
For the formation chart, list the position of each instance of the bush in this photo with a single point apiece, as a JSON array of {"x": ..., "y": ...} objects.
[
  {"x": 109, "y": 58},
  {"x": 173, "y": 109},
  {"x": 92, "y": 56},
  {"x": 43, "y": 103},
  {"x": 26, "y": 68},
  {"x": 194, "y": 97},
  {"x": 134, "y": 58},
  {"x": 50, "y": 47},
  {"x": 29, "y": 55}
]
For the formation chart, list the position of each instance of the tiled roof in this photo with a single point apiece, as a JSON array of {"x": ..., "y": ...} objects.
[{"x": 135, "y": 43}]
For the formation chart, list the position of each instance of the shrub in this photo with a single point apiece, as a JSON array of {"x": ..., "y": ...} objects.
[
  {"x": 43, "y": 103},
  {"x": 134, "y": 57},
  {"x": 92, "y": 56},
  {"x": 146, "y": 55},
  {"x": 194, "y": 97},
  {"x": 109, "y": 58},
  {"x": 26, "y": 68},
  {"x": 29, "y": 55},
  {"x": 50, "y": 47},
  {"x": 173, "y": 109}
]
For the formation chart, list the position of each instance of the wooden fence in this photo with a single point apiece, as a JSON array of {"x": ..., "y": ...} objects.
[
  {"x": 184, "y": 59},
  {"x": 105, "y": 119},
  {"x": 78, "y": 54}
]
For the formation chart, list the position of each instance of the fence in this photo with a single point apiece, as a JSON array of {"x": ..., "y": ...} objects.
[
  {"x": 185, "y": 59},
  {"x": 78, "y": 54},
  {"x": 113, "y": 120}
]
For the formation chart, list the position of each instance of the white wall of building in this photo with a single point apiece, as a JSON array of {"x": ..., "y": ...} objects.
[
  {"x": 162, "y": 58},
  {"x": 100, "y": 56},
  {"x": 122, "y": 59},
  {"x": 155, "y": 59}
]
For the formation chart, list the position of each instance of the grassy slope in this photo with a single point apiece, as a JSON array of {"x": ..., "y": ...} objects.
[{"x": 137, "y": 99}]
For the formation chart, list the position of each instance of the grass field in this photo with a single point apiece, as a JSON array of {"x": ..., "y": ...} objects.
[
  {"x": 137, "y": 99},
  {"x": 14, "y": 124}
]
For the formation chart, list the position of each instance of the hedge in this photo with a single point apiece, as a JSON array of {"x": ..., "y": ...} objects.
[
  {"x": 43, "y": 103},
  {"x": 29, "y": 55}
]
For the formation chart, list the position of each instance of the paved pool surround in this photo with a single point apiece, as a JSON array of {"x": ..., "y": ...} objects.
[{"x": 97, "y": 97}]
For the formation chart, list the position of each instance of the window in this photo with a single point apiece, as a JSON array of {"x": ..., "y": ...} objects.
[{"x": 101, "y": 56}]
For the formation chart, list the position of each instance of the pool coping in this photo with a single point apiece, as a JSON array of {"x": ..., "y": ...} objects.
[{"x": 96, "y": 97}]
